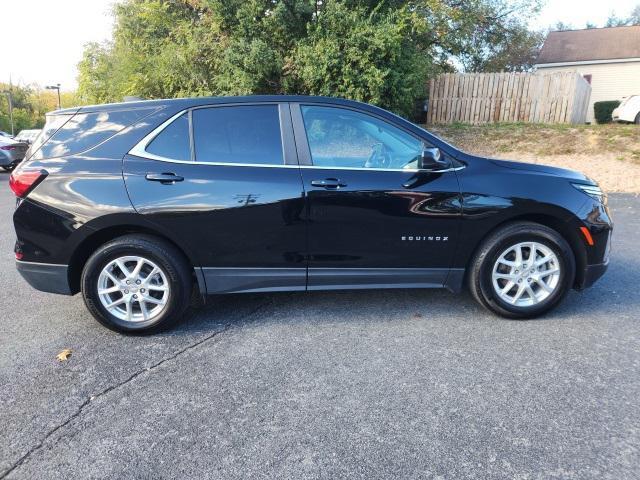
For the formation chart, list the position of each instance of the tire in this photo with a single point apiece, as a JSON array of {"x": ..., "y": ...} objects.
[
  {"x": 637, "y": 121},
  {"x": 486, "y": 272},
  {"x": 163, "y": 270}
]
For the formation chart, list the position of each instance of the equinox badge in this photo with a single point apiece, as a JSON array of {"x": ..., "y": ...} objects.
[{"x": 424, "y": 239}]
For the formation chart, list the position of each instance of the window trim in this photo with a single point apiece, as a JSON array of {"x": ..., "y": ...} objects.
[
  {"x": 289, "y": 157},
  {"x": 295, "y": 146}
]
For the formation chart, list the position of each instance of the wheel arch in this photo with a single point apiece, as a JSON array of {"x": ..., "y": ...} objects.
[
  {"x": 88, "y": 245},
  {"x": 562, "y": 227}
]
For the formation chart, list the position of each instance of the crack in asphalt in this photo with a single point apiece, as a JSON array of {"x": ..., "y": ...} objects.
[{"x": 132, "y": 377}]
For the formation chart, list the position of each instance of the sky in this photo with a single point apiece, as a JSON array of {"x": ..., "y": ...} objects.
[{"x": 48, "y": 35}]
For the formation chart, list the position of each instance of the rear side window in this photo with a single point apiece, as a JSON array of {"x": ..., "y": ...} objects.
[
  {"x": 173, "y": 141},
  {"x": 86, "y": 130},
  {"x": 238, "y": 134}
]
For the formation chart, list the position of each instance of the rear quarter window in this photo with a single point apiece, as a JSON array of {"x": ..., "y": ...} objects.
[{"x": 84, "y": 131}]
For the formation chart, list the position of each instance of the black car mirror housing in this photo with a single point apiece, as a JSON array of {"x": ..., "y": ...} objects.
[{"x": 432, "y": 159}]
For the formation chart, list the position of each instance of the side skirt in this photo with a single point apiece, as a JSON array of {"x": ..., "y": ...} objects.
[
  {"x": 245, "y": 280},
  {"x": 361, "y": 278}
]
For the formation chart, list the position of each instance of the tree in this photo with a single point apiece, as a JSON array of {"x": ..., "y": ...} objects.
[
  {"x": 516, "y": 51},
  {"x": 378, "y": 51},
  {"x": 561, "y": 27},
  {"x": 614, "y": 21},
  {"x": 30, "y": 103},
  {"x": 634, "y": 18}
]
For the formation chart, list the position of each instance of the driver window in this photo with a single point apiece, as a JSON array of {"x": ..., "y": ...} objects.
[{"x": 339, "y": 137}]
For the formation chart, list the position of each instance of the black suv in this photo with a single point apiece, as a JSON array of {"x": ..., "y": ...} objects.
[{"x": 138, "y": 204}]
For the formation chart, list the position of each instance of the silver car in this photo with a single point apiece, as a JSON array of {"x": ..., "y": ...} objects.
[{"x": 11, "y": 152}]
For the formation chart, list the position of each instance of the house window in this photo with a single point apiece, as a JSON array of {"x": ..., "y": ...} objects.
[{"x": 587, "y": 78}]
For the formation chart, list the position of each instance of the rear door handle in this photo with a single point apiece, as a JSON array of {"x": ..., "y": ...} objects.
[
  {"x": 166, "y": 178},
  {"x": 328, "y": 183}
]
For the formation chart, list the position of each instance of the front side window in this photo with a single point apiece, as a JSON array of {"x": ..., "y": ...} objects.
[
  {"x": 244, "y": 134},
  {"x": 344, "y": 138}
]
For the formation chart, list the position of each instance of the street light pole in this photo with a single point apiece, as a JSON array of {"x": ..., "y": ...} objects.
[
  {"x": 10, "y": 100},
  {"x": 55, "y": 87}
]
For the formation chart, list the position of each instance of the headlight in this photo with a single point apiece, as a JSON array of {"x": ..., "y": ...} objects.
[{"x": 593, "y": 191}]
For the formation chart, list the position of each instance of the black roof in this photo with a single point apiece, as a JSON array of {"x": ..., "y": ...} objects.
[
  {"x": 591, "y": 44},
  {"x": 180, "y": 103}
]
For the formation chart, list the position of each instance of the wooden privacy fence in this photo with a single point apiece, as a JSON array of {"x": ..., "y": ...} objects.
[{"x": 561, "y": 97}]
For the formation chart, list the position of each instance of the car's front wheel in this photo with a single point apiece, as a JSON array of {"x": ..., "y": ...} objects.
[
  {"x": 522, "y": 270},
  {"x": 137, "y": 283}
]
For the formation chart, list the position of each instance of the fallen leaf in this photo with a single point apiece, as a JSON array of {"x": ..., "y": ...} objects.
[{"x": 64, "y": 354}]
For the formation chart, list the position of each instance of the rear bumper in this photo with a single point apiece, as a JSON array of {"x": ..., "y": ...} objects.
[
  {"x": 45, "y": 276},
  {"x": 5, "y": 160}
]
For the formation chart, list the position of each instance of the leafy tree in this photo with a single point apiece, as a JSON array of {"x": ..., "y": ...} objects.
[
  {"x": 379, "y": 51},
  {"x": 369, "y": 56},
  {"x": 30, "y": 103},
  {"x": 614, "y": 21},
  {"x": 634, "y": 18},
  {"x": 516, "y": 51},
  {"x": 561, "y": 27}
]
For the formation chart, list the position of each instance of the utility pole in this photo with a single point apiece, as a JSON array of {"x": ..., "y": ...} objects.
[
  {"x": 10, "y": 100},
  {"x": 55, "y": 87}
]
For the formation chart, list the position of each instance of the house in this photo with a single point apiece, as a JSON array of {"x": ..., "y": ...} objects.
[{"x": 608, "y": 58}]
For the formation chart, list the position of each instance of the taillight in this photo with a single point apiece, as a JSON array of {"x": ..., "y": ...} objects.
[
  {"x": 22, "y": 182},
  {"x": 8, "y": 147}
]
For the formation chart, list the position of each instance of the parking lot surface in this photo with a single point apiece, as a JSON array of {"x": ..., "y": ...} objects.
[{"x": 362, "y": 384}]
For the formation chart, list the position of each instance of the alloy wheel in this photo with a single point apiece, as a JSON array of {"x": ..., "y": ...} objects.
[
  {"x": 133, "y": 289},
  {"x": 526, "y": 274}
]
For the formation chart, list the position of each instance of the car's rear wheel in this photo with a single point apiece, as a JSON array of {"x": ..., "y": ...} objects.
[
  {"x": 137, "y": 283},
  {"x": 638, "y": 119},
  {"x": 522, "y": 270}
]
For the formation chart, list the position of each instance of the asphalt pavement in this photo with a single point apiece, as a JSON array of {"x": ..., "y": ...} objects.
[{"x": 361, "y": 384}]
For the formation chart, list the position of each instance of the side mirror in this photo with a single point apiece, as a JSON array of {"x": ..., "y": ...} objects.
[{"x": 431, "y": 159}]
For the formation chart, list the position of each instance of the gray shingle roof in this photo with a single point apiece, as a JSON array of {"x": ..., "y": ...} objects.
[{"x": 591, "y": 44}]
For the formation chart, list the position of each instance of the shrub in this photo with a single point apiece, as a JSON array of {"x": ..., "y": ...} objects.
[{"x": 603, "y": 110}]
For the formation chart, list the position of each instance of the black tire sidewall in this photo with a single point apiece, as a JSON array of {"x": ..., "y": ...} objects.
[
  {"x": 567, "y": 273},
  {"x": 173, "y": 269}
]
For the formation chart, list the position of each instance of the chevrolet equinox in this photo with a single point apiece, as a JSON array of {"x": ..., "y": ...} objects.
[{"x": 137, "y": 205}]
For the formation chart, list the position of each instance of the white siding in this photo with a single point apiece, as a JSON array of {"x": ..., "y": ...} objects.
[{"x": 609, "y": 81}]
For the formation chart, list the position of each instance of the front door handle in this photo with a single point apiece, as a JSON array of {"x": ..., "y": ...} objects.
[
  {"x": 328, "y": 183},
  {"x": 166, "y": 178}
]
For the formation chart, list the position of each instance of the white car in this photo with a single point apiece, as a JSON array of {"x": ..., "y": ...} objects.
[
  {"x": 27, "y": 136},
  {"x": 628, "y": 110}
]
